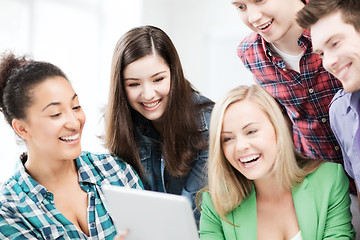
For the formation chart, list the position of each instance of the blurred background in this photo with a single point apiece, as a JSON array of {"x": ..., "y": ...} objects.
[{"x": 79, "y": 37}]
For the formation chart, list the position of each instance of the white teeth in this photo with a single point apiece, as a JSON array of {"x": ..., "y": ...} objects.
[
  {"x": 266, "y": 25},
  {"x": 249, "y": 158},
  {"x": 70, "y": 138},
  {"x": 151, "y": 105},
  {"x": 342, "y": 71}
]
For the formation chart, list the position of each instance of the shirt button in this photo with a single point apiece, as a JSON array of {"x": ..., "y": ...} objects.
[
  {"x": 284, "y": 69},
  {"x": 268, "y": 53},
  {"x": 311, "y": 90},
  {"x": 92, "y": 198},
  {"x": 92, "y": 225},
  {"x": 337, "y": 148},
  {"x": 323, "y": 120}
]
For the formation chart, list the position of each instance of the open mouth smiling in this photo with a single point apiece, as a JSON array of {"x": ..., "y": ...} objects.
[
  {"x": 70, "y": 138},
  {"x": 266, "y": 25},
  {"x": 151, "y": 104},
  {"x": 249, "y": 160}
]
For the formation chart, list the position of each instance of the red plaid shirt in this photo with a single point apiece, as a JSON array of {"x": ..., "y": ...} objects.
[{"x": 306, "y": 95}]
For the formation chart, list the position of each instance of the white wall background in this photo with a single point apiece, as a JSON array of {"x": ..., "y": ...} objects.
[{"x": 79, "y": 37}]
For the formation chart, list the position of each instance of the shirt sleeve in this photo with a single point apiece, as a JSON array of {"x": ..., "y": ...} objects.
[
  {"x": 334, "y": 123},
  {"x": 130, "y": 177},
  {"x": 210, "y": 223},
  {"x": 338, "y": 222},
  {"x": 12, "y": 227},
  {"x": 197, "y": 177}
]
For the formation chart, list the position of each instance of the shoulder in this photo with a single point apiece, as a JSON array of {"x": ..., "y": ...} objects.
[
  {"x": 328, "y": 175},
  {"x": 10, "y": 191},
  {"x": 250, "y": 41},
  {"x": 207, "y": 206},
  {"x": 202, "y": 100},
  {"x": 206, "y": 107},
  {"x": 340, "y": 98},
  {"x": 16, "y": 187},
  {"x": 206, "y": 198},
  {"x": 106, "y": 160},
  {"x": 98, "y": 167},
  {"x": 249, "y": 44},
  {"x": 339, "y": 108}
]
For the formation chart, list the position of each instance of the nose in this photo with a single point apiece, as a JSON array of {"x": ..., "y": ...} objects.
[
  {"x": 329, "y": 61},
  {"x": 254, "y": 14},
  {"x": 241, "y": 144},
  {"x": 73, "y": 121},
  {"x": 148, "y": 92}
]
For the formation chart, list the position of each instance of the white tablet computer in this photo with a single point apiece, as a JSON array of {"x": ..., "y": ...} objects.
[{"x": 150, "y": 215}]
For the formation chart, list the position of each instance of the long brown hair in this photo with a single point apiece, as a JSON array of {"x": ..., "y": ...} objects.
[{"x": 180, "y": 126}]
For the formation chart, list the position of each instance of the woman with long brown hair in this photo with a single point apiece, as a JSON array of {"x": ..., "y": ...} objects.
[{"x": 155, "y": 120}]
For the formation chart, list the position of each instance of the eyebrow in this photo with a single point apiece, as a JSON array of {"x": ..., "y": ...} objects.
[
  {"x": 57, "y": 103},
  {"x": 154, "y": 75},
  {"x": 242, "y": 128},
  {"x": 236, "y": 2}
]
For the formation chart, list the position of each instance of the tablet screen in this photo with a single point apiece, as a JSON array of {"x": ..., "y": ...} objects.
[{"x": 150, "y": 215}]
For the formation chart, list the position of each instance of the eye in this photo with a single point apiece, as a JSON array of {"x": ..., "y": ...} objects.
[
  {"x": 133, "y": 84},
  {"x": 251, "y": 132},
  {"x": 241, "y": 7},
  {"x": 335, "y": 43},
  {"x": 159, "y": 79},
  {"x": 55, "y": 115},
  {"x": 226, "y": 139},
  {"x": 77, "y": 108}
]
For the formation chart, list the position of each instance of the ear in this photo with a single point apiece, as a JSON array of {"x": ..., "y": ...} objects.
[{"x": 19, "y": 127}]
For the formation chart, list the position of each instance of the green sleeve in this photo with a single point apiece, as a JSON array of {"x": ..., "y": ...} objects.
[
  {"x": 338, "y": 222},
  {"x": 210, "y": 222}
]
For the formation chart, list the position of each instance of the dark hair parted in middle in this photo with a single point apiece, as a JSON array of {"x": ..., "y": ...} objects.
[{"x": 182, "y": 138}]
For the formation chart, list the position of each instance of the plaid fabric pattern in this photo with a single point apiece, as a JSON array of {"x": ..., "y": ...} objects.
[
  {"x": 27, "y": 209},
  {"x": 306, "y": 95}
]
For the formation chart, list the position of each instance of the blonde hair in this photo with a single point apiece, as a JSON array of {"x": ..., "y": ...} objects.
[{"x": 227, "y": 186}]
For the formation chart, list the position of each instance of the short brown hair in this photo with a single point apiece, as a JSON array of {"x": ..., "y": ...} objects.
[{"x": 317, "y": 9}]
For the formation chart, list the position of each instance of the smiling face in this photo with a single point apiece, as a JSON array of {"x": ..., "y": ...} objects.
[
  {"x": 54, "y": 122},
  {"x": 274, "y": 20},
  {"x": 337, "y": 43},
  {"x": 248, "y": 140},
  {"x": 147, "y": 86}
]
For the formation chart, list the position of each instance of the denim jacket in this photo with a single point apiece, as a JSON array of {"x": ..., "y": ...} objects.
[{"x": 152, "y": 159}]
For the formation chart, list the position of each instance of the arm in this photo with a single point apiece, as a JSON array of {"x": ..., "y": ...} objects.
[
  {"x": 132, "y": 178},
  {"x": 195, "y": 181},
  {"x": 210, "y": 223},
  {"x": 358, "y": 194},
  {"x": 197, "y": 177},
  {"x": 338, "y": 222},
  {"x": 12, "y": 227}
]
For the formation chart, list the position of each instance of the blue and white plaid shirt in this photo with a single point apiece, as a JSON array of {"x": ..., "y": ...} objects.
[{"x": 27, "y": 209}]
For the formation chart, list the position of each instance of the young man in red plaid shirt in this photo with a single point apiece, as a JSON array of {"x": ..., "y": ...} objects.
[{"x": 279, "y": 54}]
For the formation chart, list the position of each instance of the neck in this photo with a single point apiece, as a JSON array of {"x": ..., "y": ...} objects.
[
  {"x": 50, "y": 172},
  {"x": 269, "y": 189},
  {"x": 289, "y": 43},
  {"x": 158, "y": 125}
]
